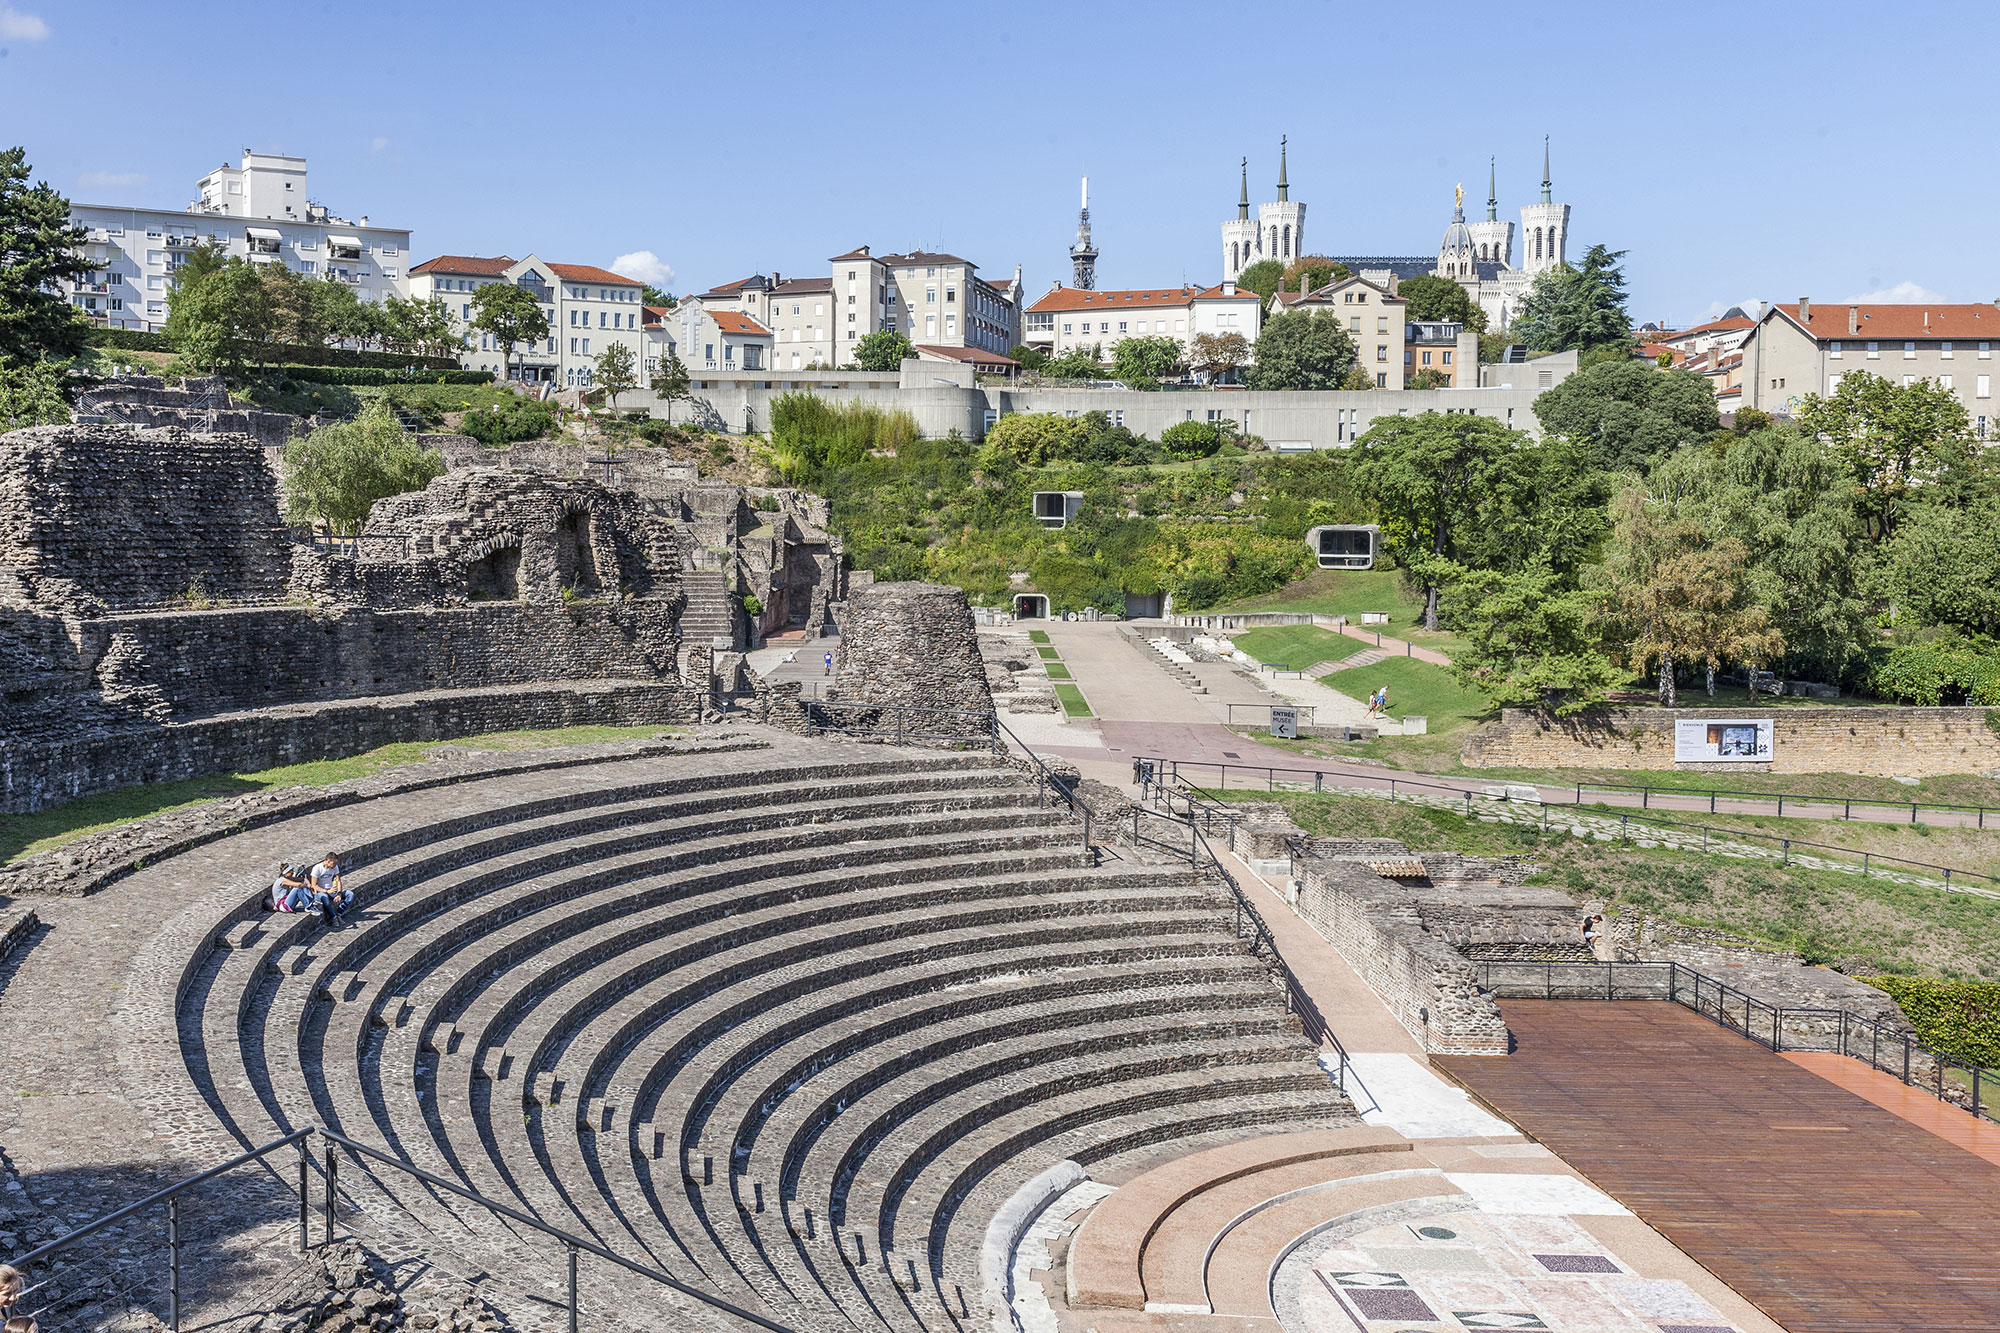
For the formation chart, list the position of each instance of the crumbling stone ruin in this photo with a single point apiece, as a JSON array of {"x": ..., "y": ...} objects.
[
  {"x": 915, "y": 645},
  {"x": 198, "y": 403},
  {"x": 158, "y": 621}
]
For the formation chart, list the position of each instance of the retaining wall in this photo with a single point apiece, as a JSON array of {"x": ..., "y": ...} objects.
[{"x": 1878, "y": 742}]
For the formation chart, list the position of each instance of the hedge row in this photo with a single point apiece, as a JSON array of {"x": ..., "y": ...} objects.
[
  {"x": 1960, "y": 1018},
  {"x": 141, "y": 341},
  {"x": 355, "y": 375}
]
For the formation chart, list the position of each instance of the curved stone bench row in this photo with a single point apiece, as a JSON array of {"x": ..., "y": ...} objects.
[{"x": 784, "y": 1032}]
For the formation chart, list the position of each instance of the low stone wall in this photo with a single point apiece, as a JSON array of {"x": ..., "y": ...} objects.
[
  {"x": 1878, "y": 742},
  {"x": 1430, "y": 988},
  {"x": 35, "y": 775}
]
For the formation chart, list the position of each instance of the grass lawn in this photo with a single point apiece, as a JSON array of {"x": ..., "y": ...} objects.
[
  {"x": 1863, "y": 925},
  {"x": 1073, "y": 702},
  {"x": 1038, "y": 636},
  {"x": 1057, "y": 671},
  {"x": 1049, "y": 654},
  {"x": 1415, "y": 688},
  {"x": 1349, "y": 592},
  {"x": 1296, "y": 647},
  {"x": 24, "y": 835}
]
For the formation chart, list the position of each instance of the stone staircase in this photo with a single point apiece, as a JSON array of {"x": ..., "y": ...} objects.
[
  {"x": 711, "y": 611},
  {"x": 1366, "y": 657},
  {"x": 788, "y": 1025},
  {"x": 1178, "y": 670}
]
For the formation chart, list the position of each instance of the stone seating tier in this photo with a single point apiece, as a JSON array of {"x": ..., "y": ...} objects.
[{"x": 790, "y": 1026}]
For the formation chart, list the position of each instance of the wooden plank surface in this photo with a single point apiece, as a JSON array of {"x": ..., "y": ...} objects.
[
  {"x": 1977, "y": 1135},
  {"x": 1831, "y": 1214}
]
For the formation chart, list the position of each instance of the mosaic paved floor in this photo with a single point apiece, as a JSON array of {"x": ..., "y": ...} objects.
[{"x": 1479, "y": 1269}]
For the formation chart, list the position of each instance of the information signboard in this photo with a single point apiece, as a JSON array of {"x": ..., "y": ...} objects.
[
  {"x": 1744, "y": 740},
  {"x": 1285, "y": 722}
]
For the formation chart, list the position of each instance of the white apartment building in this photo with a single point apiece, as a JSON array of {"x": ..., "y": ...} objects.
[
  {"x": 938, "y": 301},
  {"x": 588, "y": 308},
  {"x": 258, "y": 211},
  {"x": 1067, "y": 318}
]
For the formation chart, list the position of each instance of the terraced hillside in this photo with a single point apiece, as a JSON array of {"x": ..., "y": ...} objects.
[{"x": 789, "y": 1024}]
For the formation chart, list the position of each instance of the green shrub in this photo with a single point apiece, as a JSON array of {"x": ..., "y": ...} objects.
[
  {"x": 507, "y": 423},
  {"x": 753, "y": 604},
  {"x": 1960, "y": 1018},
  {"x": 289, "y": 354},
  {"x": 1191, "y": 439},
  {"x": 1923, "y": 673},
  {"x": 810, "y": 434},
  {"x": 377, "y": 376}
]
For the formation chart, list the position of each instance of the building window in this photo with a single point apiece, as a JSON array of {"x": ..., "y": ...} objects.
[
  {"x": 1833, "y": 351},
  {"x": 1982, "y": 387},
  {"x": 1944, "y": 350},
  {"x": 1067, "y": 329},
  {"x": 1381, "y": 323},
  {"x": 1447, "y": 358},
  {"x": 1985, "y": 350},
  {"x": 1909, "y": 351},
  {"x": 1944, "y": 382},
  {"x": 1382, "y": 352},
  {"x": 586, "y": 347},
  {"x": 1874, "y": 351},
  {"x": 1381, "y": 379},
  {"x": 1427, "y": 358}
]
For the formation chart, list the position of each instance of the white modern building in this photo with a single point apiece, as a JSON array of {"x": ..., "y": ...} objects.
[
  {"x": 259, "y": 211},
  {"x": 588, "y": 309},
  {"x": 1068, "y": 318}
]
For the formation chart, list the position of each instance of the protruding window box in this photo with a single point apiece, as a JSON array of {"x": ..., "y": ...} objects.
[{"x": 1344, "y": 545}]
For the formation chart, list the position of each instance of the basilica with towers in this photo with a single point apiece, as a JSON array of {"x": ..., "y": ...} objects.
[{"x": 1479, "y": 256}]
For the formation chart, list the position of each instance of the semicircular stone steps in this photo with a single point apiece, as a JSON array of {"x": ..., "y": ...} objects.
[{"x": 790, "y": 1028}]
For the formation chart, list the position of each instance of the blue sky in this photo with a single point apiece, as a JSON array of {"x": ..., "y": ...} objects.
[{"x": 1767, "y": 150}]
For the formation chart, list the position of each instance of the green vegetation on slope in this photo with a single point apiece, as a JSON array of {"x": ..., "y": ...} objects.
[
  {"x": 25, "y": 835},
  {"x": 1859, "y": 924},
  {"x": 1415, "y": 689}
]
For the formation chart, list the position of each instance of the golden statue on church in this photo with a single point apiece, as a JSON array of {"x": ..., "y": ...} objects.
[{"x": 1458, "y": 196}]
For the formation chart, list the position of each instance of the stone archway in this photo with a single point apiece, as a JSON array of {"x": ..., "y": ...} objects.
[{"x": 493, "y": 574}]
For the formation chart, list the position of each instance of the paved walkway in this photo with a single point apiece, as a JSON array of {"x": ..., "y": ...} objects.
[{"x": 1832, "y": 1214}]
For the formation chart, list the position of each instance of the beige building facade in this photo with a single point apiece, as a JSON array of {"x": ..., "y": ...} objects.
[
  {"x": 587, "y": 308},
  {"x": 1802, "y": 349}
]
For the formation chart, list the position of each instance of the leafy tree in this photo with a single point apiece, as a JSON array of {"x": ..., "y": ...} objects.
[
  {"x": 1078, "y": 363},
  {"x": 1896, "y": 439},
  {"x": 1430, "y": 297},
  {"x": 1428, "y": 476},
  {"x": 1429, "y": 377},
  {"x": 220, "y": 313},
  {"x": 671, "y": 383},
  {"x": 1262, "y": 277},
  {"x": 1573, "y": 308},
  {"x": 1942, "y": 568},
  {"x": 38, "y": 258},
  {"x": 1032, "y": 359},
  {"x": 1681, "y": 594},
  {"x": 615, "y": 372},
  {"x": 1316, "y": 270},
  {"x": 1035, "y": 439},
  {"x": 885, "y": 349},
  {"x": 31, "y": 394},
  {"x": 1357, "y": 380},
  {"x": 1532, "y": 639},
  {"x": 1745, "y": 420},
  {"x": 810, "y": 434},
  {"x": 1629, "y": 413},
  {"x": 1492, "y": 344},
  {"x": 1141, "y": 363},
  {"x": 1297, "y": 350},
  {"x": 652, "y": 295},
  {"x": 337, "y": 473},
  {"x": 509, "y": 421},
  {"x": 1215, "y": 355},
  {"x": 425, "y": 326},
  {"x": 510, "y": 315}
]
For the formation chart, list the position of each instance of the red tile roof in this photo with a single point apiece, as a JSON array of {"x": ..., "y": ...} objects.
[
  {"x": 591, "y": 273},
  {"x": 1216, "y": 293},
  {"x": 655, "y": 314},
  {"x": 731, "y": 288},
  {"x": 1900, "y": 321},
  {"x": 731, "y": 322},
  {"x": 465, "y": 264},
  {"x": 802, "y": 286},
  {"x": 860, "y": 252},
  {"x": 1076, "y": 298},
  {"x": 1713, "y": 326},
  {"x": 972, "y": 355}
]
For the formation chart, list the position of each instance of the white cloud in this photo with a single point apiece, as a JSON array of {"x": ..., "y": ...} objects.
[
  {"x": 1903, "y": 293},
  {"x": 377, "y": 144},
  {"x": 19, "y": 27},
  {"x": 109, "y": 180},
  {"x": 645, "y": 266}
]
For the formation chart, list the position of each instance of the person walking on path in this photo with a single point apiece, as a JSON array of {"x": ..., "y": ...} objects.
[{"x": 829, "y": 664}]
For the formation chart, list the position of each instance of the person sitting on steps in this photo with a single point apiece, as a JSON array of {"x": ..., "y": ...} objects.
[
  {"x": 330, "y": 893},
  {"x": 10, "y": 1288},
  {"x": 22, "y": 1323},
  {"x": 286, "y": 888}
]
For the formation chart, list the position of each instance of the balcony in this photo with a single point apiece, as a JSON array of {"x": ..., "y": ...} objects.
[
  {"x": 91, "y": 287},
  {"x": 180, "y": 242}
]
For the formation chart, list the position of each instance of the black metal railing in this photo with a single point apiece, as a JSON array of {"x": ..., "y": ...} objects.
[
  {"x": 1167, "y": 771},
  {"x": 339, "y": 1146},
  {"x": 1051, "y": 783},
  {"x": 1187, "y": 840},
  {"x": 1951, "y": 1080}
]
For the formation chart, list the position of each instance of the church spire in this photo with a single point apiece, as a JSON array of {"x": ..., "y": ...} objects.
[
  {"x": 1243, "y": 199},
  {"x": 1284, "y": 190},
  {"x": 1547, "y": 194},
  {"x": 1492, "y": 194}
]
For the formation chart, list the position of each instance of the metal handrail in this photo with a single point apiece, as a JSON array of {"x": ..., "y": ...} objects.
[
  {"x": 1952, "y": 874},
  {"x": 330, "y": 1173},
  {"x": 1754, "y": 1013}
]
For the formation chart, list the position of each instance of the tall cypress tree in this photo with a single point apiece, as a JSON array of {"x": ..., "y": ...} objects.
[{"x": 38, "y": 255}]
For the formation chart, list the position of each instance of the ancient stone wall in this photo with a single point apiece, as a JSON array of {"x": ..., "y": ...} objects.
[
  {"x": 912, "y": 644},
  {"x": 136, "y": 519},
  {"x": 1879, "y": 742},
  {"x": 1426, "y": 983}
]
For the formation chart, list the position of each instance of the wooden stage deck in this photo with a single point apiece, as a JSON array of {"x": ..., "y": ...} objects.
[{"x": 1830, "y": 1213}]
